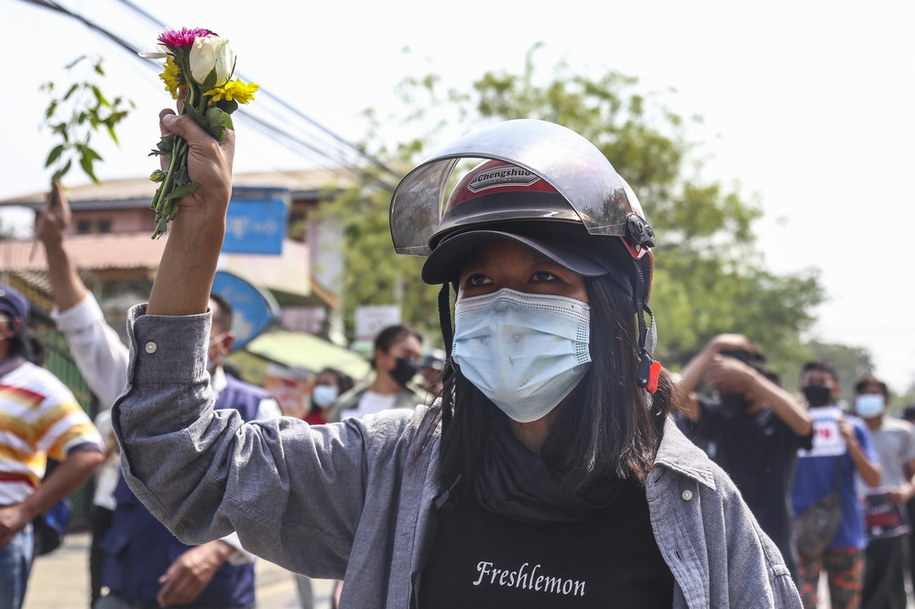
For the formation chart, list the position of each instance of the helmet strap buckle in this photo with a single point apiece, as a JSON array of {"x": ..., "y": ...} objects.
[{"x": 639, "y": 232}]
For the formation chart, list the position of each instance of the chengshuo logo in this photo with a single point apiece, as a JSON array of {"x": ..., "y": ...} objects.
[{"x": 504, "y": 175}]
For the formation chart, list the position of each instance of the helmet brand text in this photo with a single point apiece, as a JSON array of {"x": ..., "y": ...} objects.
[{"x": 505, "y": 175}]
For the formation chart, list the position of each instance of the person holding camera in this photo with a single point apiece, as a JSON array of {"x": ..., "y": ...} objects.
[{"x": 752, "y": 428}]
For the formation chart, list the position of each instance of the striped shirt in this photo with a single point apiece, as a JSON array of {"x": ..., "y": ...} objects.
[{"x": 39, "y": 418}]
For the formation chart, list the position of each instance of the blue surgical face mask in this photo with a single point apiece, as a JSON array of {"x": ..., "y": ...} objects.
[
  {"x": 323, "y": 396},
  {"x": 869, "y": 405},
  {"x": 525, "y": 352}
]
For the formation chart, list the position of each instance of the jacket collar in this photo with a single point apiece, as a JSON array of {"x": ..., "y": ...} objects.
[{"x": 680, "y": 455}]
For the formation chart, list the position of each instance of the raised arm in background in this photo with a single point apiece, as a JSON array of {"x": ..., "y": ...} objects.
[{"x": 97, "y": 349}]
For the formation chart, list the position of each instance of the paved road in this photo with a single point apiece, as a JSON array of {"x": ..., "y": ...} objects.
[{"x": 61, "y": 581}]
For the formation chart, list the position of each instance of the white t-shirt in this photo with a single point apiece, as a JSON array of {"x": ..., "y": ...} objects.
[{"x": 372, "y": 402}]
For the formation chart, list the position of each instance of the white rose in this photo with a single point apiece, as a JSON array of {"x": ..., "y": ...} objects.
[{"x": 208, "y": 53}]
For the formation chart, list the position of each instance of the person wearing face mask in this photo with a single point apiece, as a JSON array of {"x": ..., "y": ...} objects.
[
  {"x": 894, "y": 441},
  {"x": 842, "y": 451},
  {"x": 132, "y": 555},
  {"x": 551, "y": 472},
  {"x": 328, "y": 386},
  {"x": 395, "y": 361},
  {"x": 753, "y": 429},
  {"x": 40, "y": 419}
]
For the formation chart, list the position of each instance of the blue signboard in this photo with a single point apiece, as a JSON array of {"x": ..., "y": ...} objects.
[
  {"x": 256, "y": 221},
  {"x": 254, "y": 309}
]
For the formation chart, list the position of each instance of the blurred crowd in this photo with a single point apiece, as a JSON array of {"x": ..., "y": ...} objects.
[{"x": 794, "y": 450}]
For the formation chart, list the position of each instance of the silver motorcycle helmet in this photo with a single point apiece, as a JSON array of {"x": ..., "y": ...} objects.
[{"x": 533, "y": 173}]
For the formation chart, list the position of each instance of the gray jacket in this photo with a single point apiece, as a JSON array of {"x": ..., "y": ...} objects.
[{"x": 354, "y": 498}]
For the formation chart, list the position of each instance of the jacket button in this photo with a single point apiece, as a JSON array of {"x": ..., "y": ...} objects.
[
  {"x": 151, "y": 347},
  {"x": 687, "y": 495}
]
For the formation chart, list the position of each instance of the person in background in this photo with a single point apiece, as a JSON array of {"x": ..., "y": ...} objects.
[
  {"x": 143, "y": 564},
  {"x": 552, "y": 437},
  {"x": 908, "y": 414},
  {"x": 842, "y": 450},
  {"x": 395, "y": 361},
  {"x": 103, "y": 503},
  {"x": 894, "y": 441},
  {"x": 329, "y": 384},
  {"x": 753, "y": 429},
  {"x": 39, "y": 418}
]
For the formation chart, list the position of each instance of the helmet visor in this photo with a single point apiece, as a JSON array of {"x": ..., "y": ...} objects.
[{"x": 567, "y": 161}]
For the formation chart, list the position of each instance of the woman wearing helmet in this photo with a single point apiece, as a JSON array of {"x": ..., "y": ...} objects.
[{"x": 549, "y": 475}]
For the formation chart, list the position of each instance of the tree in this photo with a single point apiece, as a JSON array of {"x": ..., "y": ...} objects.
[{"x": 709, "y": 278}]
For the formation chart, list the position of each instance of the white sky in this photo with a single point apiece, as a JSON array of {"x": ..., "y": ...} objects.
[{"x": 807, "y": 106}]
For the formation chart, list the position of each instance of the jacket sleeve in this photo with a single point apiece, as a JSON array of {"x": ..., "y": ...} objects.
[
  {"x": 716, "y": 550},
  {"x": 282, "y": 485},
  {"x": 748, "y": 548}
]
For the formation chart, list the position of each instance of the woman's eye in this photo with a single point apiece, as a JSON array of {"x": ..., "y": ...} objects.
[
  {"x": 477, "y": 279},
  {"x": 544, "y": 276}
]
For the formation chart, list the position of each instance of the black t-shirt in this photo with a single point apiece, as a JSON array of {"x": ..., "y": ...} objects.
[
  {"x": 758, "y": 452},
  {"x": 480, "y": 560}
]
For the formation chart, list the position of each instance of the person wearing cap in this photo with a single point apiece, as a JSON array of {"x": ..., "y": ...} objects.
[
  {"x": 550, "y": 474},
  {"x": 39, "y": 418},
  {"x": 894, "y": 441}
]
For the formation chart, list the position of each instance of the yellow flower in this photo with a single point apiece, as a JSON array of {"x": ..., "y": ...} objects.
[
  {"x": 233, "y": 90},
  {"x": 171, "y": 76}
]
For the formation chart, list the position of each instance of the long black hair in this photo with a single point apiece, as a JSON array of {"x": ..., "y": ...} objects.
[{"x": 607, "y": 427}]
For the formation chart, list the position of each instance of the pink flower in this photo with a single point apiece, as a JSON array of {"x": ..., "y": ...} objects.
[{"x": 184, "y": 37}]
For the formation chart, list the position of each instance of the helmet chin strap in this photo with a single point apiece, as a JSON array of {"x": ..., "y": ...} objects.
[{"x": 649, "y": 370}]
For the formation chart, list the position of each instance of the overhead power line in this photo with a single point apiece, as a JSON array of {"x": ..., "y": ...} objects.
[
  {"x": 358, "y": 149},
  {"x": 267, "y": 128}
]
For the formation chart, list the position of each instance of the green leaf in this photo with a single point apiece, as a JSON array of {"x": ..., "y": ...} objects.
[
  {"x": 181, "y": 176},
  {"x": 60, "y": 173},
  {"x": 210, "y": 81},
  {"x": 113, "y": 135},
  {"x": 91, "y": 153},
  {"x": 219, "y": 121},
  {"x": 55, "y": 154},
  {"x": 195, "y": 114},
  {"x": 166, "y": 143},
  {"x": 49, "y": 112},
  {"x": 70, "y": 91},
  {"x": 181, "y": 191},
  {"x": 73, "y": 63},
  {"x": 98, "y": 67},
  {"x": 102, "y": 101},
  {"x": 227, "y": 106},
  {"x": 85, "y": 161}
]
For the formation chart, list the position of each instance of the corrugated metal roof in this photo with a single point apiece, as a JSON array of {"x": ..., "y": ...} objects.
[
  {"x": 92, "y": 252},
  {"x": 136, "y": 251},
  {"x": 137, "y": 191}
]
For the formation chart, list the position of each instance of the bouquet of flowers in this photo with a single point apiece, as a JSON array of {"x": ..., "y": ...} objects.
[{"x": 198, "y": 68}]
